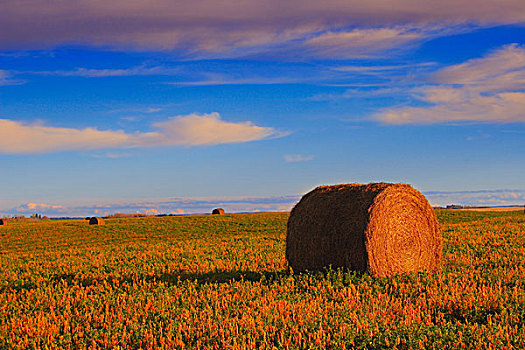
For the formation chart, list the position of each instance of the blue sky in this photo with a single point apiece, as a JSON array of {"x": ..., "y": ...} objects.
[{"x": 181, "y": 106}]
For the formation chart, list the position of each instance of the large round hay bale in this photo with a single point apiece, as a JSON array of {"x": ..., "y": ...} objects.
[
  {"x": 218, "y": 211},
  {"x": 382, "y": 228},
  {"x": 3, "y": 222},
  {"x": 96, "y": 221}
]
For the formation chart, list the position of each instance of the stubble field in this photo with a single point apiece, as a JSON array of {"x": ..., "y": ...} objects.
[{"x": 221, "y": 282}]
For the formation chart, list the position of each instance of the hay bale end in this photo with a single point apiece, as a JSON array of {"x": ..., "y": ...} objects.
[
  {"x": 96, "y": 221},
  {"x": 382, "y": 228},
  {"x": 218, "y": 211}
]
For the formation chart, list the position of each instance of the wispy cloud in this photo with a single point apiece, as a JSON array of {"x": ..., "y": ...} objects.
[
  {"x": 199, "y": 205},
  {"x": 376, "y": 80},
  {"x": 357, "y": 93},
  {"x": 373, "y": 70},
  {"x": 478, "y": 198},
  {"x": 293, "y": 158},
  {"x": 6, "y": 78},
  {"x": 111, "y": 155},
  {"x": 187, "y": 130},
  {"x": 157, "y": 206},
  {"x": 105, "y": 73},
  {"x": 500, "y": 70},
  {"x": 361, "y": 43},
  {"x": 489, "y": 89},
  {"x": 153, "y": 110},
  {"x": 210, "y": 26},
  {"x": 139, "y": 110},
  {"x": 224, "y": 80}
]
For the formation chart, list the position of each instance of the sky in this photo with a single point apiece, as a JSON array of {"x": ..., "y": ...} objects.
[{"x": 181, "y": 106}]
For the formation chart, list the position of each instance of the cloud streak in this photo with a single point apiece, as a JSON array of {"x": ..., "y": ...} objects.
[
  {"x": 105, "y": 73},
  {"x": 478, "y": 198},
  {"x": 210, "y": 26},
  {"x": 294, "y": 158},
  {"x": 157, "y": 206},
  {"x": 196, "y": 205},
  {"x": 6, "y": 79},
  {"x": 188, "y": 130},
  {"x": 361, "y": 43},
  {"x": 487, "y": 89}
]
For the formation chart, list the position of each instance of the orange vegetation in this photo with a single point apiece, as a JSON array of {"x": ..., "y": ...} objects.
[{"x": 221, "y": 282}]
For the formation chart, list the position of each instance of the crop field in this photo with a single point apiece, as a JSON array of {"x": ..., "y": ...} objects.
[{"x": 222, "y": 282}]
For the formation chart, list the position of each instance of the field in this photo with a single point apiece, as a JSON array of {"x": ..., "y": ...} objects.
[
  {"x": 516, "y": 208},
  {"x": 221, "y": 282}
]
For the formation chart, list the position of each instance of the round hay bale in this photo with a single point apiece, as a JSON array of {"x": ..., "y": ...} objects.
[
  {"x": 3, "y": 222},
  {"x": 218, "y": 211},
  {"x": 382, "y": 228},
  {"x": 96, "y": 221}
]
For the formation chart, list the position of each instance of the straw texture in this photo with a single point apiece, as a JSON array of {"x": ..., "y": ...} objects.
[
  {"x": 96, "y": 221},
  {"x": 218, "y": 211},
  {"x": 383, "y": 228}
]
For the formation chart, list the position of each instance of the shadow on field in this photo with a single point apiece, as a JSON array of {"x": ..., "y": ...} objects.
[
  {"x": 221, "y": 276},
  {"x": 214, "y": 277},
  {"x": 338, "y": 277}
]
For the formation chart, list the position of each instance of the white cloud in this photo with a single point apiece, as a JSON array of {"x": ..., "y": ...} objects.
[
  {"x": 501, "y": 70},
  {"x": 291, "y": 158},
  {"x": 148, "y": 211},
  {"x": 17, "y": 137},
  {"x": 489, "y": 89},
  {"x": 205, "y": 129},
  {"x": 188, "y": 130},
  {"x": 30, "y": 207}
]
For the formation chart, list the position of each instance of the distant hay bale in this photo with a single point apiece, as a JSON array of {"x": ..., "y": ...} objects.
[
  {"x": 3, "y": 222},
  {"x": 218, "y": 211},
  {"x": 96, "y": 221},
  {"x": 88, "y": 218},
  {"x": 382, "y": 228}
]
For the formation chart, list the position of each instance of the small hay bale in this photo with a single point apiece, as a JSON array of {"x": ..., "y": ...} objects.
[
  {"x": 3, "y": 222},
  {"x": 218, "y": 211},
  {"x": 96, "y": 221},
  {"x": 382, "y": 228}
]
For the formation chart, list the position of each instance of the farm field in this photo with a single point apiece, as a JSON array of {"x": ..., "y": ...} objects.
[
  {"x": 515, "y": 208},
  {"x": 221, "y": 282}
]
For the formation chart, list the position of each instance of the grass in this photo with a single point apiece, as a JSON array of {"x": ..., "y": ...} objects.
[{"x": 221, "y": 282}]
